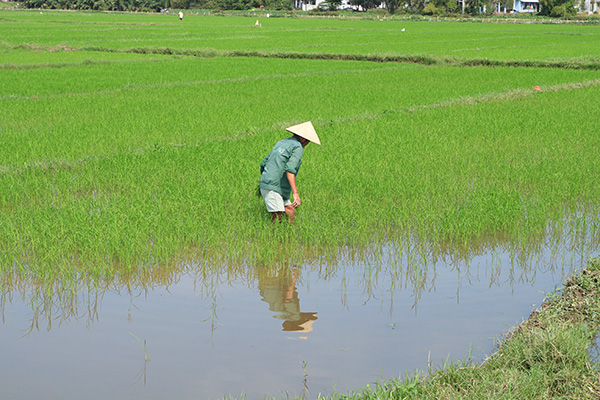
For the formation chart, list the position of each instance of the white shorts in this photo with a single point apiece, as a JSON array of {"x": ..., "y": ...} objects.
[{"x": 274, "y": 201}]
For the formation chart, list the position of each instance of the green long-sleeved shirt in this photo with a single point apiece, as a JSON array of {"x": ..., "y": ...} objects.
[{"x": 286, "y": 156}]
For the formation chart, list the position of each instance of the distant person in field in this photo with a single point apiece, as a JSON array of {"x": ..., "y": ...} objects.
[
  {"x": 181, "y": 15},
  {"x": 279, "y": 169}
]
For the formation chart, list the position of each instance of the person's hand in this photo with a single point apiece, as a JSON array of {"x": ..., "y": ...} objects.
[{"x": 297, "y": 201}]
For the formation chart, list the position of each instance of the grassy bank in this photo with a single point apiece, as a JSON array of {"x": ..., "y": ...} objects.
[{"x": 546, "y": 357}]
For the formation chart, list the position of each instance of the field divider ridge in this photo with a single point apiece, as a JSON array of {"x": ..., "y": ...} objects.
[
  {"x": 429, "y": 60},
  {"x": 77, "y": 63},
  {"x": 380, "y": 58}
]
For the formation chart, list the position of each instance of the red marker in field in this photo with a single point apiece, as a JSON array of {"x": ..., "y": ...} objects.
[{"x": 537, "y": 88}]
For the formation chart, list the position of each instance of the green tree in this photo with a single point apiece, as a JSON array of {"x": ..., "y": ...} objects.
[
  {"x": 450, "y": 6},
  {"x": 330, "y": 5},
  {"x": 179, "y": 3},
  {"x": 557, "y": 8},
  {"x": 277, "y": 4},
  {"x": 391, "y": 6},
  {"x": 504, "y": 4},
  {"x": 430, "y": 9},
  {"x": 416, "y": 5},
  {"x": 477, "y": 6}
]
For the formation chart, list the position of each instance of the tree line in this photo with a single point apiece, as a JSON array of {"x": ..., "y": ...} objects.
[
  {"x": 554, "y": 8},
  {"x": 158, "y": 5}
]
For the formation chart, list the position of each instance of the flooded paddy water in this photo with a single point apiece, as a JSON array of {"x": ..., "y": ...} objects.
[
  {"x": 196, "y": 332},
  {"x": 595, "y": 350}
]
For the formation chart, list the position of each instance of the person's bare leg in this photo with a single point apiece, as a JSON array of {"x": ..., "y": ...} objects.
[
  {"x": 276, "y": 216},
  {"x": 291, "y": 212}
]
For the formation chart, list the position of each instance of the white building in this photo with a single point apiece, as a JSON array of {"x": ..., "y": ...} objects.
[
  {"x": 526, "y": 6},
  {"x": 307, "y": 5},
  {"x": 591, "y": 6}
]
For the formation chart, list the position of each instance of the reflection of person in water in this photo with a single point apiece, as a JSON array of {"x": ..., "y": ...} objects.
[{"x": 278, "y": 288}]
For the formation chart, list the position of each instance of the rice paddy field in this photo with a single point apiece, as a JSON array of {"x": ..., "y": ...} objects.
[{"x": 447, "y": 195}]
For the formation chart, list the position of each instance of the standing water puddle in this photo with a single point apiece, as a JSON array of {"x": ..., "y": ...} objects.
[
  {"x": 303, "y": 331},
  {"x": 595, "y": 350}
]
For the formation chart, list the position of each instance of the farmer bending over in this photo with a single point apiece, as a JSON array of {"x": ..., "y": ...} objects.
[{"x": 279, "y": 169}]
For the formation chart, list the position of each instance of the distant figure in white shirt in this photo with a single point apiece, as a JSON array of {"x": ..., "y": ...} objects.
[{"x": 181, "y": 15}]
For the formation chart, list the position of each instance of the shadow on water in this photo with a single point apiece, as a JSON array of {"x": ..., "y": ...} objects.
[{"x": 202, "y": 330}]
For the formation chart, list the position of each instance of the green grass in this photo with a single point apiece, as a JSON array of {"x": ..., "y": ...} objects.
[
  {"x": 447, "y": 171},
  {"x": 496, "y": 41},
  {"x": 128, "y": 159},
  {"x": 129, "y": 107}
]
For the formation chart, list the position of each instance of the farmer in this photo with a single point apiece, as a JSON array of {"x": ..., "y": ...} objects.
[{"x": 279, "y": 169}]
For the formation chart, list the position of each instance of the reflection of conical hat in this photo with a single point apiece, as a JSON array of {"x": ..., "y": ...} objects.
[
  {"x": 303, "y": 324},
  {"x": 305, "y": 130}
]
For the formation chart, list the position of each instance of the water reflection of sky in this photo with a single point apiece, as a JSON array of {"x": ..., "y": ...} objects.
[
  {"x": 595, "y": 350},
  {"x": 368, "y": 318}
]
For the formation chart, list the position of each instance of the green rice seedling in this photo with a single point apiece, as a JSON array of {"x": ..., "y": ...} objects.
[
  {"x": 127, "y": 158},
  {"x": 451, "y": 173},
  {"x": 124, "y": 110},
  {"x": 141, "y": 345}
]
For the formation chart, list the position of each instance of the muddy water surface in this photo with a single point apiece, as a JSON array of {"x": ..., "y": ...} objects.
[{"x": 305, "y": 330}]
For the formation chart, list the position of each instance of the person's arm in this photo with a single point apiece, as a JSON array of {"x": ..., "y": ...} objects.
[
  {"x": 264, "y": 163},
  {"x": 292, "y": 180}
]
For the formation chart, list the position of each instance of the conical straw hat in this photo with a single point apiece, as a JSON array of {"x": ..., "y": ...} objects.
[{"x": 305, "y": 130}]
